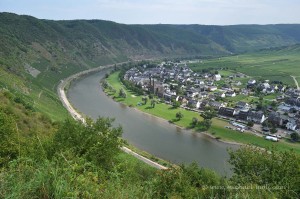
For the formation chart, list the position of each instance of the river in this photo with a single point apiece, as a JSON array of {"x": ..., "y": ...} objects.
[{"x": 147, "y": 132}]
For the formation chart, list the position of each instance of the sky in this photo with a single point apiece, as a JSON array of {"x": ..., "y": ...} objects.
[{"x": 208, "y": 12}]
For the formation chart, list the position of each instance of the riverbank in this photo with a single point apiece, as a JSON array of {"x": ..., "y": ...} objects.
[
  {"x": 110, "y": 95},
  {"x": 77, "y": 116},
  {"x": 181, "y": 127},
  {"x": 217, "y": 130}
]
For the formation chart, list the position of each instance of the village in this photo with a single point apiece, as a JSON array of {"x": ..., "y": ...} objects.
[{"x": 267, "y": 109}]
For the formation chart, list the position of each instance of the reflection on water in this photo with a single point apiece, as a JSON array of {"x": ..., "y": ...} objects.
[{"x": 147, "y": 132}]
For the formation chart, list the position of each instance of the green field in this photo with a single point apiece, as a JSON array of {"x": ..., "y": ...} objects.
[
  {"x": 167, "y": 112},
  {"x": 161, "y": 109},
  {"x": 276, "y": 64},
  {"x": 218, "y": 130}
]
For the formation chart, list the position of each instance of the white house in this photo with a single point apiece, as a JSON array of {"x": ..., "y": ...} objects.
[
  {"x": 252, "y": 81},
  {"x": 212, "y": 88},
  {"x": 222, "y": 95},
  {"x": 230, "y": 94},
  {"x": 266, "y": 85},
  {"x": 217, "y": 77},
  {"x": 194, "y": 104}
]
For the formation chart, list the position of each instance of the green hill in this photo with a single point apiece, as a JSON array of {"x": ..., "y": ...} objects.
[
  {"x": 36, "y": 54},
  {"x": 244, "y": 38},
  {"x": 278, "y": 63}
]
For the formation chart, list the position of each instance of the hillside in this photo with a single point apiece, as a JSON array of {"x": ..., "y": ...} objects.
[
  {"x": 244, "y": 38},
  {"x": 87, "y": 43},
  {"x": 36, "y": 54},
  {"x": 278, "y": 63}
]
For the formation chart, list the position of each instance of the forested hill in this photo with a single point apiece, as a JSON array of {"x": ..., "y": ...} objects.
[
  {"x": 35, "y": 54},
  {"x": 244, "y": 38},
  {"x": 86, "y": 43},
  {"x": 93, "y": 42}
]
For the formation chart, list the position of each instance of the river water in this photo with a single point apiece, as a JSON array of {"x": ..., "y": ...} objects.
[{"x": 147, "y": 132}]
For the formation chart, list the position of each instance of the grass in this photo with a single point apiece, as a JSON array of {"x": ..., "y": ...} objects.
[
  {"x": 271, "y": 96},
  {"x": 218, "y": 130},
  {"x": 150, "y": 156},
  {"x": 238, "y": 98},
  {"x": 298, "y": 80},
  {"x": 161, "y": 109},
  {"x": 133, "y": 162},
  {"x": 225, "y": 73},
  {"x": 167, "y": 112},
  {"x": 43, "y": 99}
]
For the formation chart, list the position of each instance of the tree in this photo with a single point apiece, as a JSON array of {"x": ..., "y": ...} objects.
[
  {"x": 113, "y": 90},
  {"x": 145, "y": 100},
  {"x": 105, "y": 84},
  {"x": 205, "y": 124},
  {"x": 273, "y": 104},
  {"x": 273, "y": 130},
  {"x": 295, "y": 137},
  {"x": 98, "y": 142},
  {"x": 179, "y": 115},
  {"x": 176, "y": 104},
  {"x": 194, "y": 121},
  {"x": 250, "y": 124},
  {"x": 269, "y": 168},
  {"x": 179, "y": 90},
  {"x": 153, "y": 102},
  {"x": 122, "y": 93},
  {"x": 259, "y": 106},
  {"x": 208, "y": 113},
  {"x": 8, "y": 139}
]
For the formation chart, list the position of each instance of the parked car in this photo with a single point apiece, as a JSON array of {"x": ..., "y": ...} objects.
[{"x": 274, "y": 139}]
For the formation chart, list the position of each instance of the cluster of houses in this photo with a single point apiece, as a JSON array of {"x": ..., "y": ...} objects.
[
  {"x": 266, "y": 87},
  {"x": 162, "y": 81},
  {"x": 198, "y": 90}
]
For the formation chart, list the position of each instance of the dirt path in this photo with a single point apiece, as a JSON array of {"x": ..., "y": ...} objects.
[
  {"x": 40, "y": 94},
  {"x": 296, "y": 82},
  {"x": 142, "y": 158}
]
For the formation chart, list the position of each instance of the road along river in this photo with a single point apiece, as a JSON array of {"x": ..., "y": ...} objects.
[{"x": 147, "y": 132}]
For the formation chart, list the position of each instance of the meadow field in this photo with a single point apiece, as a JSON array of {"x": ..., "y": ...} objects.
[{"x": 277, "y": 64}]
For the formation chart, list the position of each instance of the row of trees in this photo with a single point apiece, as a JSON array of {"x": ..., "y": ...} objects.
[
  {"x": 122, "y": 93},
  {"x": 130, "y": 85},
  {"x": 152, "y": 101},
  {"x": 207, "y": 116},
  {"x": 106, "y": 85}
]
